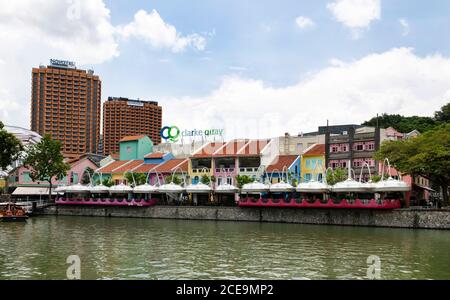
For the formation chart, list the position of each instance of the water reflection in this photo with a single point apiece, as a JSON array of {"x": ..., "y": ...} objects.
[{"x": 175, "y": 249}]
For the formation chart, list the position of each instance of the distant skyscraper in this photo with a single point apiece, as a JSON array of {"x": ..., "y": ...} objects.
[
  {"x": 125, "y": 117},
  {"x": 65, "y": 103}
]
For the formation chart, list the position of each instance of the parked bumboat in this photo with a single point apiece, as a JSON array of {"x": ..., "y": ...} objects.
[
  {"x": 11, "y": 212},
  {"x": 100, "y": 195}
]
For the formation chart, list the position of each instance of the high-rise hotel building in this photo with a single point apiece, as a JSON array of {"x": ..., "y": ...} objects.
[
  {"x": 65, "y": 103},
  {"x": 126, "y": 117}
]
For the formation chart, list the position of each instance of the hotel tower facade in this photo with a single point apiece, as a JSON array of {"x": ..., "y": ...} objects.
[
  {"x": 65, "y": 103},
  {"x": 126, "y": 117}
]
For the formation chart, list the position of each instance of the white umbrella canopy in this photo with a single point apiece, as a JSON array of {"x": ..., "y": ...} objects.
[
  {"x": 99, "y": 189},
  {"x": 171, "y": 188},
  {"x": 121, "y": 188},
  {"x": 77, "y": 188},
  {"x": 198, "y": 188},
  {"x": 313, "y": 187},
  {"x": 349, "y": 185},
  {"x": 281, "y": 187},
  {"x": 255, "y": 187},
  {"x": 61, "y": 189},
  {"x": 391, "y": 185},
  {"x": 145, "y": 188},
  {"x": 226, "y": 188}
]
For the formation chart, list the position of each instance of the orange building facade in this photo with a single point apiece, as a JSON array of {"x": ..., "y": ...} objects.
[
  {"x": 65, "y": 103},
  {"x": 125, "y": 117}
]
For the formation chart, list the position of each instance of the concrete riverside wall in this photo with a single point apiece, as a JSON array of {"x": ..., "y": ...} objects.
[{"x": 402, "y": 218}]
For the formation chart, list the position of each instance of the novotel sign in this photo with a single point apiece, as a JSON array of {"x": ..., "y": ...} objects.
[
  {"x": 62, "y": 63},
  {"x": 172, "y": 133}
]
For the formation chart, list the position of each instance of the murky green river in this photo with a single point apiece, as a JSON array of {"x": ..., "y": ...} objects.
[{"x": 174, "y": 249}]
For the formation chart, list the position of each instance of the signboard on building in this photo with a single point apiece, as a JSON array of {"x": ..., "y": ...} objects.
[
  {"x": 135, "y": 103},
  {"x": 62, "y": 63},
  {"x": 173, "y": 133}
]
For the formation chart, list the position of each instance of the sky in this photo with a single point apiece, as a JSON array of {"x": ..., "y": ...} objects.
[{"x": 256, "y": 68}]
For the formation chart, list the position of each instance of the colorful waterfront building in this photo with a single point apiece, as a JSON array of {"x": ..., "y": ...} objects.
[
  {"x": 284, "y": 166},
  {"x": 20, "y": 178},
  {"x": 313, "y": 163},
  {"x": 135, "y": 147},
  {"x": 223, "y": 161},
  {"x": 201, "y": 162}
]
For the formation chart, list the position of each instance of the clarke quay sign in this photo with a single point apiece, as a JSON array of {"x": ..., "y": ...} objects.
[{"x": 173, "y": 133}]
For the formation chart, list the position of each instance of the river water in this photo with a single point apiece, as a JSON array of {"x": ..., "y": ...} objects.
[{"x": 114, "y": 248}]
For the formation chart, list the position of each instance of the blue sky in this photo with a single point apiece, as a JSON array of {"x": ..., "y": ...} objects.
[
  {"x": 280, "y": 55},
  {"x": 241, "y": 59}
]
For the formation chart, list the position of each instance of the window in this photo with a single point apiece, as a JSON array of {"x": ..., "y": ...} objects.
[
  {"x": 308, "y": 163},
  {"x": 334, "y": 164},
  {"x": 74, "y": 178},
  {"x": 344, "y": 148},
  {"x": 371, "y": 146},
  {"x": 359, "y": 147},
  {"x": 320, "y": 177},
  {"x": 357, "y": 163},
  {"x": 334, "y": 149},
  {"x": 307, "y": 177},
  {"x": 26, "y": 177},
  {"x": 343, "y": 164}
]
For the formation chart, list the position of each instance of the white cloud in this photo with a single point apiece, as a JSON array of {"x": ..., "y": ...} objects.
[
  {"x": 356, "y": 14},
  {"x": 151, "y": 28},
  {"x": 32, "y": 31},
  {"x": 405, "y": 26},
  {"x": 237, "y": 68},
  {"x": 78, "y": 29},
  {"x": 304, "y": 22},
  {"x": 396, "y": 81}
]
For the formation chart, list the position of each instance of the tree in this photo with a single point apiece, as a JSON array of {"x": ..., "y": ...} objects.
[
  {"x": 107, "y": 182},
  {"x": 10, "y": 148},
  {"x": 87, "y": 175},
  {"x": 46, "y": 161},
  {"x": 336, "y": 175},
  {"x": 205, "y": 179},
  {"x": 173, "y": 179},
  {"x": 427, "y": 155},
  {"x": 403, "y": 124},
  {"x": 136, "y": 178},
  {"x": 243, "y": 179},
  {"x": 443, "y": 115},
  {"x": 376, "y": 178}
]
